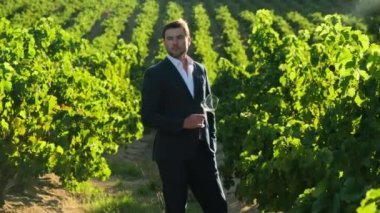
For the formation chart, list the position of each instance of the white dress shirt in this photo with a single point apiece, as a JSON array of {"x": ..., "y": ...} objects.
[{"x": 187, "y": 76}]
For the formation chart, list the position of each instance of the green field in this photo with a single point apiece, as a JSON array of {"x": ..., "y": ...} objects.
[{"x": 299, "y": 83}]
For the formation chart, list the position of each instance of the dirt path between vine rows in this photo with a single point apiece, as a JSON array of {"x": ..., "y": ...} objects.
[{"x": 48, "y": 195}]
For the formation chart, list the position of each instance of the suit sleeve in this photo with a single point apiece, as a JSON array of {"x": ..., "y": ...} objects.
[
  {"x": 150, "y": 105},
  {"x": 210, "y": 115}
]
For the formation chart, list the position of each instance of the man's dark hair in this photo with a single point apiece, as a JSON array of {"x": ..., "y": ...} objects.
[{"x": 180, "y": 23}]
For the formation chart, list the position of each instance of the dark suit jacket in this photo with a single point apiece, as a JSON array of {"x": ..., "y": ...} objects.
[{"x": 166, "y": 102}]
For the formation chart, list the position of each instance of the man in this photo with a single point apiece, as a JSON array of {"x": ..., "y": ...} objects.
[{"x": 185, "y": 143}]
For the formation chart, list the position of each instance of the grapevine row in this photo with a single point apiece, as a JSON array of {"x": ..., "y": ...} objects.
[
  {"x": 203, "y": 41},
  {"x": 61, "y": 110},
  {"x": 145, "y": 22},
  {"x": 114, "y": 24},
  {"x": 233, "y": 43},
  {"x": 304, "y": 106}
]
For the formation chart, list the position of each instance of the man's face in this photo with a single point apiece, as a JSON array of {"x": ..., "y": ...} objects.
[{"x": 176, "y": 42}]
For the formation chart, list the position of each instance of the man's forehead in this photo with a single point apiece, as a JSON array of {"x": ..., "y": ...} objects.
[{"x": 175, "y": 32}]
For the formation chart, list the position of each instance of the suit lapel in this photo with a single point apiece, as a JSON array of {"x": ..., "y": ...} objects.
[
  {"x": 198, "y": 79},
  {"x": 174, "y": 72}
]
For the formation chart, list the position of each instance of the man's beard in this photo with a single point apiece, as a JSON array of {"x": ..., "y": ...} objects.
[{"x": 178, "y": 56}]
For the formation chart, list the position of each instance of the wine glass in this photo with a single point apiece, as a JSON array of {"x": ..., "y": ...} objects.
[{"x": 210, "y": 103}]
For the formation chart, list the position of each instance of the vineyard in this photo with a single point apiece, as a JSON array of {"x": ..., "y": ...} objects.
[{"x": 298, "y": 80}]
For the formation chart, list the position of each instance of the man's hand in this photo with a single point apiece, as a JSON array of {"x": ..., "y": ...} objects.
[{"x": 194, "y": 121}]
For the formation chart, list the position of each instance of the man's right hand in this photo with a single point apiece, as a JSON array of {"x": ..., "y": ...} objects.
[{"x": 194, "y": 121}]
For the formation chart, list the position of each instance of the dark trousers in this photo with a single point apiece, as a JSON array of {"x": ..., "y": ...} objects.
[{"x": 200, "y": 173}]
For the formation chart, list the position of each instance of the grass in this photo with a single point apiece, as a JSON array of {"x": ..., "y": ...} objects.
[
  {"x": 120, "y": 196},
  {"x": 125, "y": 203},
  {"x": 88, "y": 192},
  {"x": 126, "y": 169},
  {"x": 140, "y": 198},
  {"x": 134, "y": 187}
]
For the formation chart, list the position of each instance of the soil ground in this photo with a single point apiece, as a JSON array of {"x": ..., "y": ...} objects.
[{"x": 48, "y": 194}]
